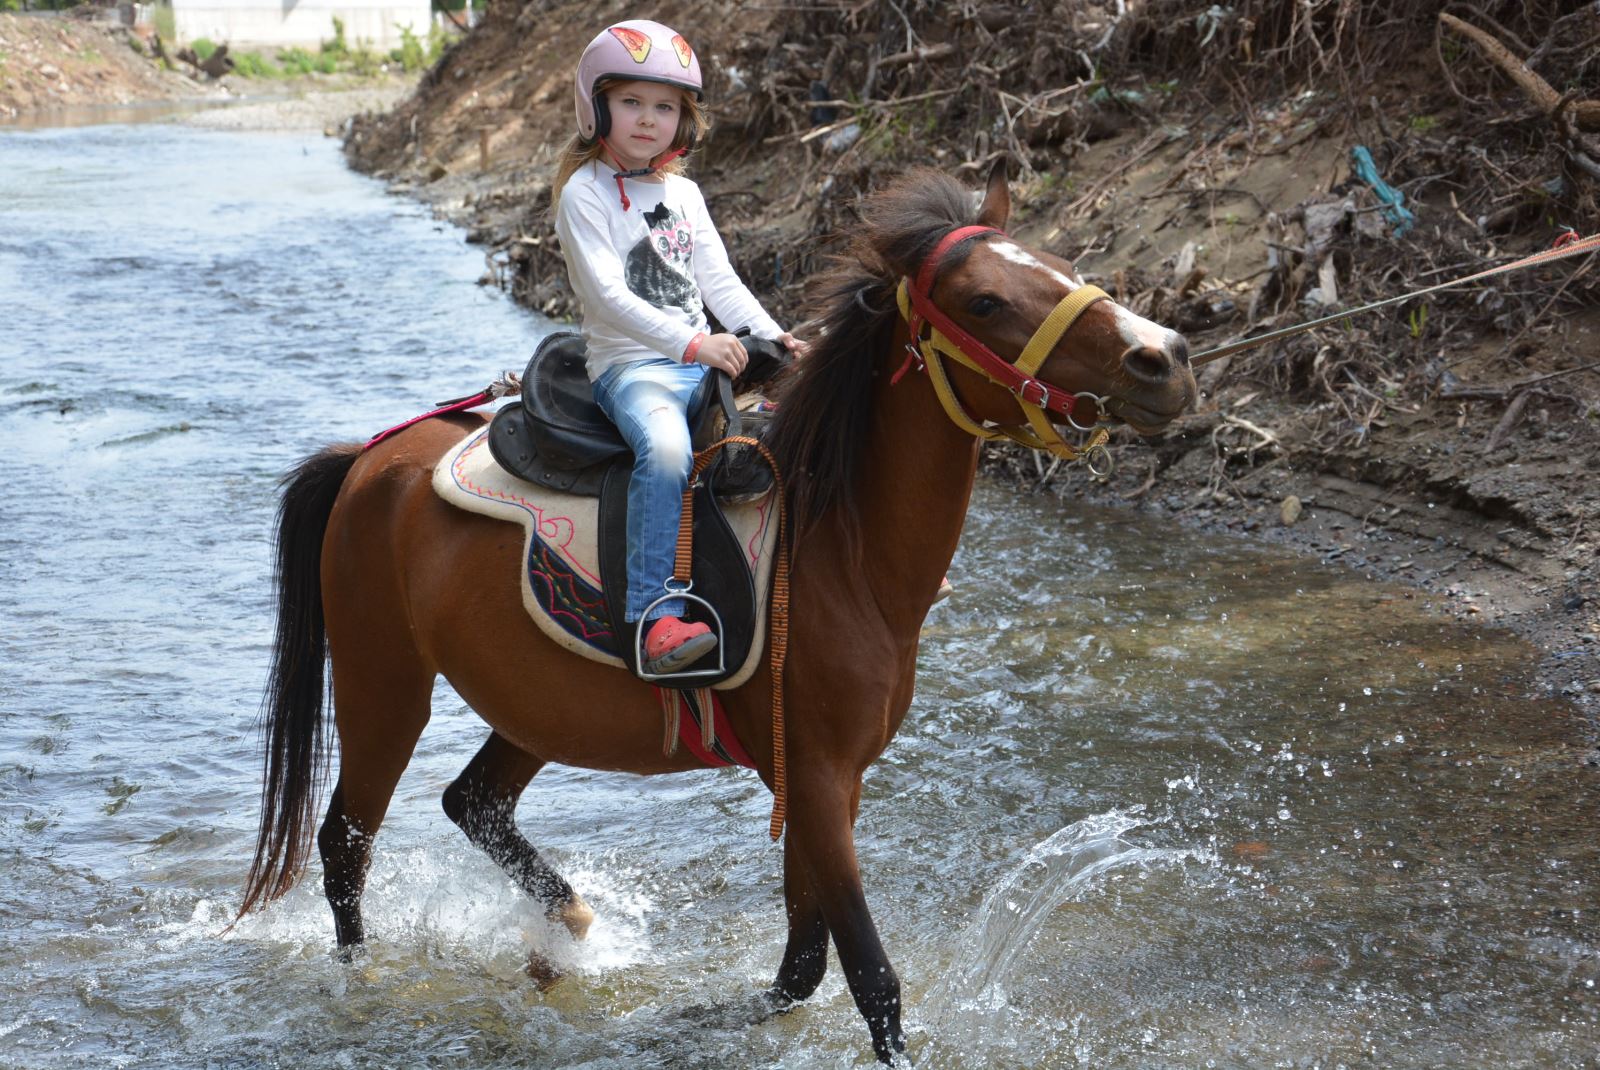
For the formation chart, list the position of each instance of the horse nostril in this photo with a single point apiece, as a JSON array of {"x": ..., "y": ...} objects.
[
  {"x": 1180, "y": 349},
  {"x": 1146, "y": 364}
]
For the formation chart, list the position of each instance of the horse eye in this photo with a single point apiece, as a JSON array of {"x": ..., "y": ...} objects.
[{"x": 984, "y": 305}]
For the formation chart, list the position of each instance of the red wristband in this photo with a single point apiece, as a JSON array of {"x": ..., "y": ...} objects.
[{"x": 693, "y": 347}]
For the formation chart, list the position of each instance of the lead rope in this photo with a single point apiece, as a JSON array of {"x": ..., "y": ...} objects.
[
  {"x": 777, "y": 618},
  {"x": 1569, "y": 244}
]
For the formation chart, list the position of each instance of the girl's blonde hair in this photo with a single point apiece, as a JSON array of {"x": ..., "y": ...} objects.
[{"x": 692, "y": 122}]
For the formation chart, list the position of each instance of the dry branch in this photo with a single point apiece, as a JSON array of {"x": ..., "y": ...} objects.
[
  {"x": 920, "y": 54},
  {"x": 1585, "y": 113}
]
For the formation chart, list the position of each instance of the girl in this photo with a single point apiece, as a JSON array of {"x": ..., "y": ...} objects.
[{"x": 646, "y": 262}]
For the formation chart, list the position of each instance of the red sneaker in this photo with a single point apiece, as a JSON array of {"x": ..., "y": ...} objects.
[{"x": 672, "y": 644}]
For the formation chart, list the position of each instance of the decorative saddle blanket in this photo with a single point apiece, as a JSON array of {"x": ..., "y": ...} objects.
[{"x": 561, "y": 578}]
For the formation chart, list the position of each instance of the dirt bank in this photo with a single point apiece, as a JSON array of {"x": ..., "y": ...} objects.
[
  {"x": 50, "y": 62},
  {"x": 56, "y": 68},
  {"x": 1197, "y": 161}
]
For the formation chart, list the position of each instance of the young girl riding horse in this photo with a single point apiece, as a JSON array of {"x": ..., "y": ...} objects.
[{"x": 646, "y": 263}]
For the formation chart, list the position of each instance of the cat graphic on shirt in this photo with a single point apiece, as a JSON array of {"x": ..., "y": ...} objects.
[{"x": 659, "y": 267}]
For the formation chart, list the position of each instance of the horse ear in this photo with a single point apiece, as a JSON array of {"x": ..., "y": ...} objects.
[{"x": 996, "y": 207}]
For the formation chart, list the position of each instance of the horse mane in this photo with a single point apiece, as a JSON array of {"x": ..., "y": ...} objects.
[{"x": 825, "y": 399}]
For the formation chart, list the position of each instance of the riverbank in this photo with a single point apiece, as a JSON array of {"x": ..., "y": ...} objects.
[
  {"x": 50, "y": 62},
  {"x": 1445, "y": 445},
  {"x": 57, "y": 70}
]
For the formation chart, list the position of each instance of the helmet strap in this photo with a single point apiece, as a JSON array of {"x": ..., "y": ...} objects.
[{"x": 656, "y": 164}]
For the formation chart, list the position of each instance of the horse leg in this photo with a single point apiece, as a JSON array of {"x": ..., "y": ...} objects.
[
  {"x": 379, "y": 716},
  {"x": 482, "y": 801},
  {"x": 821, "y": 826},
  {"x": 805, "y": 958}
]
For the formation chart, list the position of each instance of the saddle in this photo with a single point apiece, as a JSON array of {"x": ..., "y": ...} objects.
[{"x": 559, "y": 439}]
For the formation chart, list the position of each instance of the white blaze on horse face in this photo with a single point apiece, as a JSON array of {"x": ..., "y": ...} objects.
[
  {"x": 1018, "y": 255},
  {"x": 1138, "y": 331},
  {"x": 1135, "y": 329}
]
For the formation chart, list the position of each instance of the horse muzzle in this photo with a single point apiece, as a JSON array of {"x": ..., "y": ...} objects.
[{"x": 1157, "y": 386}]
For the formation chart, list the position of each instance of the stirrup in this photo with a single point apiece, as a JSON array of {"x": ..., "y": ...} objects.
[{"x": 672, "y": 678}]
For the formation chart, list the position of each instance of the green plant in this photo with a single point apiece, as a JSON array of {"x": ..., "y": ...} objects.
[
  {"x": 1421, "y": 124},
  {"x": 410, "y": 55},
  {"x": 1418, "y": 320},
  {"x": 298, "y": 61},
  {"x": 364, "y": 61},
  {"x": 255, "y": 65},
  {"x": 438, "y": 41},
  {"x": 203, "y": 48},
  {"x": 337, "y": 46}
]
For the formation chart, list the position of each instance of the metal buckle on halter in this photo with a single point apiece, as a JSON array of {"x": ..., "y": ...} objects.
[{"x": 1021, "y": 391}]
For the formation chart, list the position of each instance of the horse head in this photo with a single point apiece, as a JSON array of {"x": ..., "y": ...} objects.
[{"x": 1108, "y": 362}]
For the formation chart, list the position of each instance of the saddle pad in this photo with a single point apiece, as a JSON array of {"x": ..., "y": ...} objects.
[{"x": 560, "y": 576}]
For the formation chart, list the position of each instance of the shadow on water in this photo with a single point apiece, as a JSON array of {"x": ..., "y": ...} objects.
[{"x": 1159, "y": 801}]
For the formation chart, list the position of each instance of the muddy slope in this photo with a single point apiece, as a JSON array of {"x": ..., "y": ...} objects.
[
  {"x": 1197, "y": 161},
  {"x": 50, "y": 61}
]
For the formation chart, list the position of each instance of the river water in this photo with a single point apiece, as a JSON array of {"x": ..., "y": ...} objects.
[{"x": 1162, "y": 800}]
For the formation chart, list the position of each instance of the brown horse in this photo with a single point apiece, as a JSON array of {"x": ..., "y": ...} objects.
[{"x": 380, "y": 575}]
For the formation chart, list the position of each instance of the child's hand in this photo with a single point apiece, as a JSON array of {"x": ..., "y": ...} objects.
[
  {"x": 723, "y": 351},
  {"x": 794, "y": 345}
]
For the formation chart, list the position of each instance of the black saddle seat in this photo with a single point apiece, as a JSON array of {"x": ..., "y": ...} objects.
[{"x": 560, "y": 438}]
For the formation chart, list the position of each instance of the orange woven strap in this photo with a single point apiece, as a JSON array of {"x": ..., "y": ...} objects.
[
  {"x": 683, "y": 561},
  {"x": 777, "y": 616},
  {"x": 779, "y": 638}
]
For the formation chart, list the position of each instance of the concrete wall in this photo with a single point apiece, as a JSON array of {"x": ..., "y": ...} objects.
[{"x": 305, "y": 23}]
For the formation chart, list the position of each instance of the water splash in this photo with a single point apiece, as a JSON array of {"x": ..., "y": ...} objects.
[
  {"x": 438, "y": 899},
  {"x": 961, "y": 1011}
]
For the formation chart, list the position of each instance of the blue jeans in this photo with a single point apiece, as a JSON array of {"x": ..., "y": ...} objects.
[{"x": 648, "y": 401}]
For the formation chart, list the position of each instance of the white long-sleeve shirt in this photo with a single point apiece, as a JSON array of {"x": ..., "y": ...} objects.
[{"x": 645, "y": 276}]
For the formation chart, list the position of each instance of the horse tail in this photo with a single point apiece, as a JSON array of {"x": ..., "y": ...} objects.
[{"x": 297, "y": 688}]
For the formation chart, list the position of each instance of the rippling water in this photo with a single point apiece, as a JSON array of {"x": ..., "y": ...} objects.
[{"x": 1162, "y": 801}]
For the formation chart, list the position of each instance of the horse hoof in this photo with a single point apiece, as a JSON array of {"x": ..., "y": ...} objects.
[
  {"x": 542, "y": 971},
  {"x": 776, "y": 1001},
  {"x": 351, "y": 953},
  {"x": 575, "y": 914}
]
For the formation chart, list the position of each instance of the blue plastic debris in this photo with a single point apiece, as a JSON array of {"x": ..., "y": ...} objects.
[{"x": 1395, "y": 210}]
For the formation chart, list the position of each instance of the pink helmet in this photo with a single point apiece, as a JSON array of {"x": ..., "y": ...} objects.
[{"x": 636, "y": 50}]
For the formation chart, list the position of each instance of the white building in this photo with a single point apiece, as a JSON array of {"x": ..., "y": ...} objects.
[{"x": 243, "y": 23}]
